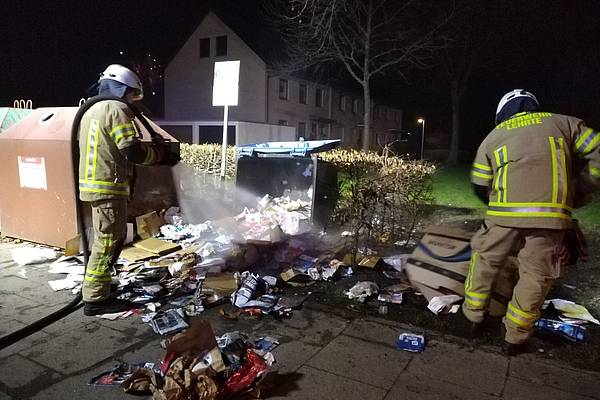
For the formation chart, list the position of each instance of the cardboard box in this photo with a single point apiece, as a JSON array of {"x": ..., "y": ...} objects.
[
  {"x": 440, "y": 263},
  {"x": 148, "y": 225}
]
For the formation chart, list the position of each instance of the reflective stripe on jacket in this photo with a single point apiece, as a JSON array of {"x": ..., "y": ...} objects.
[
  {"x": 527, "y": 163},
  {"x": 107, "y": 127}
]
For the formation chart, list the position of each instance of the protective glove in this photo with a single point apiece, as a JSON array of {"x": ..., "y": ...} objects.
[{"x": 164, "y": 154}]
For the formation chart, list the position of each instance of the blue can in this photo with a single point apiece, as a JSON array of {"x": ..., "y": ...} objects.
[{"x": 411, "y": 342}]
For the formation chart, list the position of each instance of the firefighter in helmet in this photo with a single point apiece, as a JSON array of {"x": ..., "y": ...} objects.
[
  {"x": 109, "y": 145},
  {"x": 526, "y": 171}
]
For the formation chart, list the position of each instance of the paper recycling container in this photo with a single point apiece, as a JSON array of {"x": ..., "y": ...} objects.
[
  {"x": 290, "y": 169},
  {"x": 37, "y": 200}
]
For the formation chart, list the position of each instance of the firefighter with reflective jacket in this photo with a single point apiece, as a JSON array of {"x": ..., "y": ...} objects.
[
  {"x": 109, "y": 147},
  {"x": 525, "y": 169}
]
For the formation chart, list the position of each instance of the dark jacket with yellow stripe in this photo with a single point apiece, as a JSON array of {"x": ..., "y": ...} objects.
[
  {"x": 527, "y": 162},
  {"x": 104, "y": 173}
]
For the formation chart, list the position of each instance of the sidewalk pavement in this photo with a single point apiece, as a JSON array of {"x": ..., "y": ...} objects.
[{"x": 322, "y": 355}]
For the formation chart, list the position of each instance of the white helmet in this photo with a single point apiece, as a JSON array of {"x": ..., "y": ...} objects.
[
  {"x": 513, "y": 95},
  {"x": 124, "y": 75}
]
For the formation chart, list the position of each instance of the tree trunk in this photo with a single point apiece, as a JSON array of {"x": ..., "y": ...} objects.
[
  {"x": 366, "y": 138},
  {"x": 454, "y": 139}
]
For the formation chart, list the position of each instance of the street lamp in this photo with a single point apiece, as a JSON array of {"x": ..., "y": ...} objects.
[{"x": 422, "y": 122}]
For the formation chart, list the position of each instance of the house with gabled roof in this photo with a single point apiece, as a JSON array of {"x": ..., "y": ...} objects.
[{"x": 271, "y": 105}]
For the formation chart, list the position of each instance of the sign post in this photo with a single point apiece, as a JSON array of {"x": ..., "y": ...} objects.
[{"x": 225, "y": 93}]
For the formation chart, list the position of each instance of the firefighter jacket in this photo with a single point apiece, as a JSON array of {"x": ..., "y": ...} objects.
[
  {"x": 527, "y": 162},
  {"x": 105, "y": 129}
]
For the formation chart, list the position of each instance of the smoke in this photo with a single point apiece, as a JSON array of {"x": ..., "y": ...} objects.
[{"x": 204, "y": 196}]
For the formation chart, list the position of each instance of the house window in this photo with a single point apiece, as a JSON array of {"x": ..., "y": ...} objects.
[
  {"x": 342, "y": 104},
  {"x": 282, "y": 122},
  {"x": 321, "y": 131},
  {"x": 354, "y": 106},
  {"x": 283, "y": 89},
  {"x": 319, "y": 97},
  {"x": 221, "y": 46},
  {"x": 301, "y": 129},
  {"x": 204, "y": 47},
  {"x": 313, "y": 130},
  {"x": 302, "y": 94}
]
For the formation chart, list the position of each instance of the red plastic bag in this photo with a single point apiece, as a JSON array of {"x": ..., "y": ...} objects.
[{"x": 251, "y": 372}]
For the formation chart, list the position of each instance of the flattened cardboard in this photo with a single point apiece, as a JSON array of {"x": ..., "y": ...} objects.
[
  {"x": 223, "y": 283},
  {"x": 135, "y": 254},
  {"x": 370, "y": 261},
  {"x": 148, "y": 225},
  {"x": 157, "y": 246}
]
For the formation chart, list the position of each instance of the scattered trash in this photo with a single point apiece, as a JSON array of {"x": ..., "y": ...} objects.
[
  {"x": 393, "y": 294},
  {"x": 70, "y": 282},
  {"x": 362, "y": 290},
  {"x": 411, "y": 342},
  {"x": 169, "y": 321},
  {"x": 444, "y": 304},
  {"x": 32, "y": 255},
  {"x": 22, "y": 273},
  {"x": 571, "y": 310},
  {"x": 572, "y": 333},
  {"x": 118, "y": 374},
  {"x": 397, "y": 262}
]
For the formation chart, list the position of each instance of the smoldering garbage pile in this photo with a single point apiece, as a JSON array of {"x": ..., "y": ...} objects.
[{"x": 197, "y": 365}]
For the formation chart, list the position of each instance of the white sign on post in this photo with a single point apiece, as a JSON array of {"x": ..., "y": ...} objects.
[
  {"x": 225, "y": 93},
  {"x": 225, "y": 85}
]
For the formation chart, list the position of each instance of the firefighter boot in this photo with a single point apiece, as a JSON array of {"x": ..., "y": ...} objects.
[{"x": 109, "y": 306}]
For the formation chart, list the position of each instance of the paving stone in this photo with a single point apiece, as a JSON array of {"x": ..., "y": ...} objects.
[
  {"x": 292, "y": 355},
  {"x": 411, "y": 386},
  {"x": 517, "y": 389},
  {"x": 75, "y": 387},
  {"x": 8, "y": 325},
  {"x": 386, "y": 334},
  {"x": 455, "y": 364},
  {"x": 560, "y": 377},
  {"x": 361, "y": 360},
  {"x": 80, "y": 349},
  {"x": 309, "y": 326},
  {"x": 19, "y": 373},
  {"x": 22, "y": 345},
  {"x": 4, "y": 396},
  {"x": 309, "y": 384},
  {"x": 17, "y": 307}
]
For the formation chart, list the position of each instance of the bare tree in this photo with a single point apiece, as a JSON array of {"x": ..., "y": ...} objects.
[{"x": 367, "y": 37}]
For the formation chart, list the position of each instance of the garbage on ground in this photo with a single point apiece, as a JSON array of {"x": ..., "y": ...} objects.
[
  {"x": 67, "y": 265},
  {"x": 397, "y": 261},
  {"x": 199, "y": 365},
  {"x": 169, "y": 321},
  {"x": 362, "y": 290},
  {"x": 32, "y": 255},
  {"x": 444, "y": 304},
  {"x": 571, "y": 312},
  {"x": 70, "y": 282},
  {"x": 392, "y": 294},
  {"x": 411, "y": 342},
  {"x": 148, "y": 225},
  {"x": 570, "y": 332},
  {"x": 118, "y": 374},
  {"x": 439, "y": 264}
]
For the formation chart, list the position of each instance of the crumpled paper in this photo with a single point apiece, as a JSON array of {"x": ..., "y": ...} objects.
[{"x": 362, "y": 290}]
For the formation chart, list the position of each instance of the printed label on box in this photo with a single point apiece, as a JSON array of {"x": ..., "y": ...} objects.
[{"x": 32, "y": 172}]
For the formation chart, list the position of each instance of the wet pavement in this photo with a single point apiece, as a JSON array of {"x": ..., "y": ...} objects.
[{"x": 331, "y": 348}]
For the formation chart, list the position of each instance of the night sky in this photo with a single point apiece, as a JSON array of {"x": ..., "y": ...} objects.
[{"x": 52, "y": 51}]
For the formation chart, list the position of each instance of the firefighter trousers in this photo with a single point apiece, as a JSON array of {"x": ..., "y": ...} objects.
[
  {"x": 109, "y": 218},
  {"x": 537, "y": 253}
]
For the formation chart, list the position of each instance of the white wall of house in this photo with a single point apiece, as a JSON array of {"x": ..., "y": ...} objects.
[{"x": 189, "y": 78}]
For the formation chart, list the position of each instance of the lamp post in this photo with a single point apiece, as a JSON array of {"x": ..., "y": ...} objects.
[{"x": 422, "y": 122}]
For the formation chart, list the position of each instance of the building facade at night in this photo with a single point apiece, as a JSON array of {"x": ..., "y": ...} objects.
[{"x": 268, "y": 100}]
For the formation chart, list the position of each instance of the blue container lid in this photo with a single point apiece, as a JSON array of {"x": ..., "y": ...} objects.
[{"x": 298, "y": 148}]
